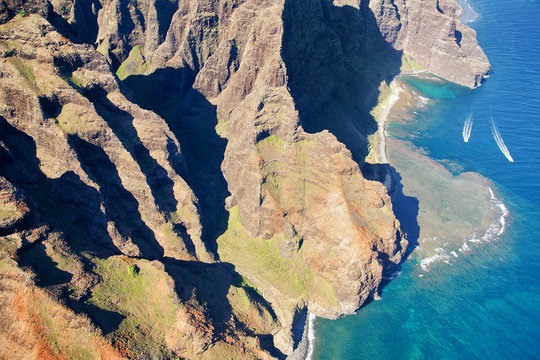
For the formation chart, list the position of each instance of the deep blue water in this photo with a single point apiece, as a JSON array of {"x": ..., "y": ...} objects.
[{"x": 486, "y": 305}]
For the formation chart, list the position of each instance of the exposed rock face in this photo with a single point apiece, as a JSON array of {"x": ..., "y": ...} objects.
[
  {"x": 117, "y": 193},
  {"x": 31, "y": 317},
  {"x": 15, "y": 210},
  {"x": 10, "y": 8},
  {"x": 87, "y": 176},
  {"x": 432, "y": 34}
]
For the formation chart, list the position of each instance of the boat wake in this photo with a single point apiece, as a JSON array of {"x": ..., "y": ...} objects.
[
  {"x": 467, "y": 128},
  {"x": 499, "y": 140}
]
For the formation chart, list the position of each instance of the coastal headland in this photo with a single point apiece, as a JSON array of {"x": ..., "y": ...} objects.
[{"x": 188, "y": 179}]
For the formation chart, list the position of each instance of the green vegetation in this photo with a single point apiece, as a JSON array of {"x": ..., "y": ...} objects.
[
  {"x": 73, "y": 342},
  {"x": 385, "y": 93},
  {"x": 272, "y": 183},
  {"x": 9, "y": 213},
  {"x": 10, "y": 244},
  {"x": 271, "y": 147},
  {"x": 101, "y": 49},
  {"x": 183, "y": 215},
  {"x": 239, "y": 299},
  {"x": 74, "y": 118},
  {"x": 76, "y": 81},
  {"x": 23, "y": 13},
  {"x": 141, "y": 297},
  {"x": 285, "y": 171},
  {"x": 173, "y": 241},
  {"x": 61, "y": 328},
  {"x": 262, "y": 260},
  {"x": 408, "y": 64},
  {"x": 242, "y": 282},
  {"x": 133, "y": 270},
  {"x": 133, "y": 65},
  {"x": 272, "y": 141},
  {"x": 137, "y": 291},
  {"x": 221, "y": 127},
  {"x": 8, "y": 44},
  {"x": 26, "y": 71},
  {"x": 6, "y": 267},
  {"x": 373, "y": 148}
]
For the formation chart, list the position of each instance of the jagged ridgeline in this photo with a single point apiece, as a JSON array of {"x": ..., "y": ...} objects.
[{"x": 182, "y": 178}]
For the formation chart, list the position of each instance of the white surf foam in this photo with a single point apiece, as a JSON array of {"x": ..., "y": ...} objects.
[
  {"x": 392, "y": 276},
  {"x": 464, "y": 248},
  {"x": 440, "y": 256},
  {"x": 469, "y": 14},
  {"x": 311, "y": 336},
  {"x": 504, "y": 211},
  {"x": 422, "y": 101},
  {"x": 493, "y": 233}
]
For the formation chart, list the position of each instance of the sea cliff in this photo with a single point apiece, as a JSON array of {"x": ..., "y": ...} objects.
[{"x": 187, "y": 178}]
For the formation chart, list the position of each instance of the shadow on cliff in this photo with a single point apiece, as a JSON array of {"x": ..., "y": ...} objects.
[
  {"x": 206, "y": 287},
  {"x": 65, "y": 204},
  {"x": 120, "y": 205},
  {"x": 337, "y": 59},
  {"x": 406, "y": 209},
  {"x": 82, "y": 27},
  {"x": 66, "y": 200},
  {"x": 192, "y": 119},
  {"x": 121, "y": 123}
]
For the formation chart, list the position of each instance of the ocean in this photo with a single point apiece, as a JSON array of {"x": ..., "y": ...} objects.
[{"x": 464, "y": 293}]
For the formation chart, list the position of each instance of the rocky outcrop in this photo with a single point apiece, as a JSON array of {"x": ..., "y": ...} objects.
[
  {"x": 92, "y": 184},
  {"x": 12, "y": 8},
  {"x": 15, "y": 208},
  {"x": 221, "y": 182},
  {"x": 431, "y": 32},
  {"x": 34, "y": 325},
  {"x": 67, "y": 108}
]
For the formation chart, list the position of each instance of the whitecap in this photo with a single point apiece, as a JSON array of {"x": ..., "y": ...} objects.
[
  {"x": 392, "y": 276},
  {"x": 311, "y": 336},
  {"x": 469, "y": 14},
  {"x": 426, "y": 263},
  {"x": 464, "y": 247}
]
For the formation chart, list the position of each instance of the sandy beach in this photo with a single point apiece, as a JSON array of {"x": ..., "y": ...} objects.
[{"x": 381, "y": 132}]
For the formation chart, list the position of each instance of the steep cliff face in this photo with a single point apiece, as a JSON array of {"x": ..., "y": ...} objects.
[
  {"x": 203, "y": 204},
  {"x": 432, "y": 34},
  {"x": 91, "y": 193}
]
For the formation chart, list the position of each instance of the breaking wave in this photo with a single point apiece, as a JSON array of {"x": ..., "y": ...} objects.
[
  {"x": 311, "y": 336},
  {"x": 494, "y": 231},
  {"x": 469, "y": 14}
]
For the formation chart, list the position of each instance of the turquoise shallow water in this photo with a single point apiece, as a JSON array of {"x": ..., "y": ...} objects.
[{"x": 485, "y": 305}]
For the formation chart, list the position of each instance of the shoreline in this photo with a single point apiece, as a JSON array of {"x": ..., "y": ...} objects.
[
  {"x": 468, "y": 14},
  {"x": 304, "y": 349},
  {"x": 397, "y": 103},
  {"x": 497, "y": 213},
  {"x": 306, "y": 346},
  {"x": 381, "y": 131}
]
